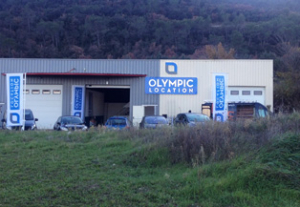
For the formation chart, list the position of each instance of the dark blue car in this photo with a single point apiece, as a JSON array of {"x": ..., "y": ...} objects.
[
  {"x": 118, "y": 122},
  {"x": 30, "y": 122}
]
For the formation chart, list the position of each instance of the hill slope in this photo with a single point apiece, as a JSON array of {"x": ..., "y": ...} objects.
[{"x": 144, "y": 168}]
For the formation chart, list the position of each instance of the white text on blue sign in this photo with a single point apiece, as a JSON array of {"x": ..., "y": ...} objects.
[
  {"x": 166, "y": 85},
  {"x": 78, "y": 98},
  {"x": 14, "y": 92},
  {"x": 220, "y": 93}
]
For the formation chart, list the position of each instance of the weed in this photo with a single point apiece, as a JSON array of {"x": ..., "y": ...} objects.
[{"x": 216, "y": 164}]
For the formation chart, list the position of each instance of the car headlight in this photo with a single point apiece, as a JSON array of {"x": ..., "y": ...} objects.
[
  {"x": 64, "y": 128},
  {"x": 192, "y": 124}
]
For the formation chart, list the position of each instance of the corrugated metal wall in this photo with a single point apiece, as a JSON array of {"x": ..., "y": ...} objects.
[
  {"x": 241, "y": 73},
  {"x": 122, "y": 66}
]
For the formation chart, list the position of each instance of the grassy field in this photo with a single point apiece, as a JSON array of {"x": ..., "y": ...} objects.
[{"x": 227, "y": 165}]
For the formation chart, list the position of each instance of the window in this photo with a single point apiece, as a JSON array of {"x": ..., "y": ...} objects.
[
  {"x": 56, "y": 92},
  {"x": 46, "y": 92},
  {"x": 28, "y": 115},
  {"x": 181, "y": 117},
  {"x": 246, "y": 93},
  {"x": 26, "y": 91},
  {"x": 261, "y": 112},
  {"x": 258, "y": 93},
  {"x": 234, "y": 93},
  {"x": 35, "y": 91}
]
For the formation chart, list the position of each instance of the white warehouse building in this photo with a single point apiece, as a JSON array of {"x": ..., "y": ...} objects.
[{"x": 133, "y": 88}]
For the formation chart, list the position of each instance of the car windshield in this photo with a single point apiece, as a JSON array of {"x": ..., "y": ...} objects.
[
  {"x": 28, "y": 115},
  {"x": 262, "y": 112},
  {"x": 116, "y": 121},
  {"x": 71, "y": 120},
  {"x": 155, "y": 120},
  {"x": 197, "y": 117}
]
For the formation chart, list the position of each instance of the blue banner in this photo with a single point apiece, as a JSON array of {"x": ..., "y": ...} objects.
[
  {"x": 78, "y": 98},
  {"x": 168, "y": 85},
  {"x": 220, "y": 99},
  {"x": 78, "y": 101},
  {"x": 14, "y": 92},
  {"x": 220, "y": 93},
  {"x": 15, "y": 99}
]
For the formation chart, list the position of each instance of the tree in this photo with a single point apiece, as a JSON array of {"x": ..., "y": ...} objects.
[
  {"x": 287, "y": 82},
  {"x": 50, "y": 31},
  {"x": 237, "y": 40},
  {"x": 96, "y": 26},
  {"x": 219, "y": 52}
]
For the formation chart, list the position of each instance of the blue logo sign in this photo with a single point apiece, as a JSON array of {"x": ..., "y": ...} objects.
[
  {"x": 220, "y": 93},
  {"x": 219, "y": 117},
  {"x": 171, "y": 68},
  {"x": 14, "y": 92},
  {"x": 14, "y": 118},
  {"x": 78, "y": 98},
  {"x": 166, "y": 85}
]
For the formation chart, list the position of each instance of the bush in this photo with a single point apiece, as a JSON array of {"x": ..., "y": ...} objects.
[
  {"x": 215, "y": 141},
  {"x": 212, "y": 141}
]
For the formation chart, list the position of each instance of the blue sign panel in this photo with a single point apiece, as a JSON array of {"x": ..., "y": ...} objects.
[
  {"x": 220, "y": 93},
  {"x": 78, "y": 101},
  {"x": 14, "y": 92},
  {"x": 14, "y": 87},
  {"x": 78, "y": 98},
  {"x": 167, "y": 85}
]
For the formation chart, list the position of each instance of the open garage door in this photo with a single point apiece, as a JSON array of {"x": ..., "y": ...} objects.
[
  {"x": 102, "y": 102},
  {"x": 45, "y": 101}
]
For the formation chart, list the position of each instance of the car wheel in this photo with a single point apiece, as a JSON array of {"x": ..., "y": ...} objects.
[{"x": 3, "y": 125}]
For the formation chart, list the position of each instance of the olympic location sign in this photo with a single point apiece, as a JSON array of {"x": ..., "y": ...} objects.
[{"x": 167, "y": 85}]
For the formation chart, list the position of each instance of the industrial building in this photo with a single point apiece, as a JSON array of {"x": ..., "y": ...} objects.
[{"x": 132, "y": 87}]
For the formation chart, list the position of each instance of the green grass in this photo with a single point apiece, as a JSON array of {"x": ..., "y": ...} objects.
[{"x": 100, "y": 168}]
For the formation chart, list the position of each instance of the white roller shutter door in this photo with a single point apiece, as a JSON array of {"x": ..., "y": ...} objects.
[{"x": 46, "y": 103}]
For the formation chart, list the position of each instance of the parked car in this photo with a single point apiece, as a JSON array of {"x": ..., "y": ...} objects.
[
  {"x": 240, "y": 110},
  {"x": 30, "y": 122},
  {"x": 118, "y": 122},
  {"x": 152, "y": 122},
  {"x": 69, "y": 123},
  {"x": 190, "y": 119}
]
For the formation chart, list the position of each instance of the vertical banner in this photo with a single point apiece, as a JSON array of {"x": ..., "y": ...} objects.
[
  {"x": 15, "y": 109},
  {"x": 78, "y": 101},
  {"x": 220, "y": 97}
]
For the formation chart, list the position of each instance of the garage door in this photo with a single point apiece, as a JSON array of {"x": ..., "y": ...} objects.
[
  {"x": 46, "y": 103},
  {"x": 247, "y": 94}
]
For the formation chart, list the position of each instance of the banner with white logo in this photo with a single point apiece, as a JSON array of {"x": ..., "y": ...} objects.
[
  {"x": 15, "y": 108},
  {"x": 220, "y": 108},
  {"x": 78, "y": 101}
]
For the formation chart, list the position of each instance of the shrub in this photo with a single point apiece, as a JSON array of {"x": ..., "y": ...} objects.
[
  {"x": 212, "y": 141},
  {"x": 215, "y": 141}
]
